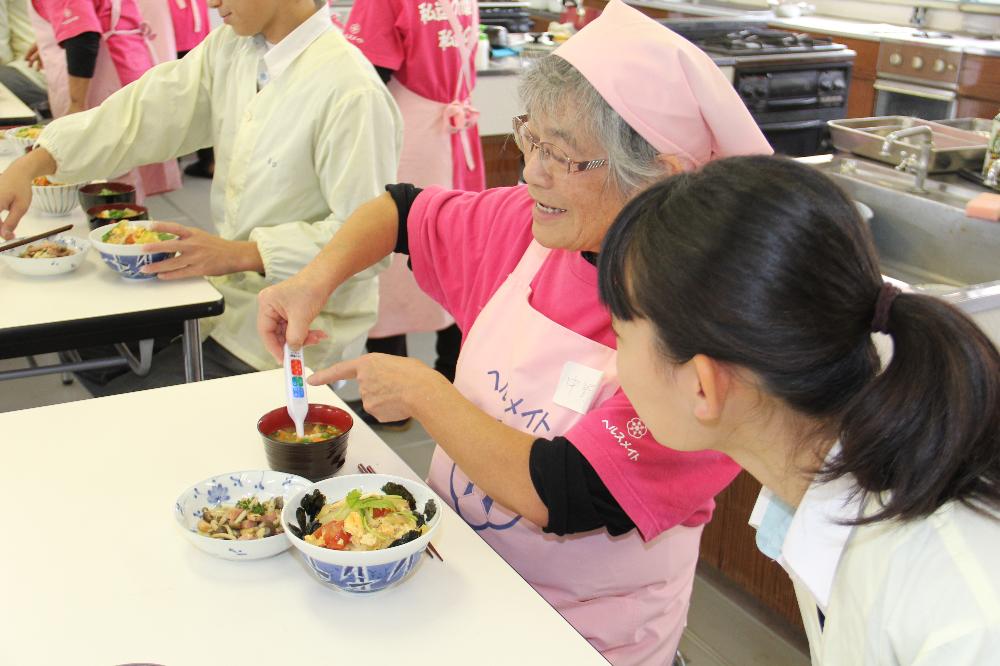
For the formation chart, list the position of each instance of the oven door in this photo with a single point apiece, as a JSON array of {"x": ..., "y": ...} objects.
[
  {"x": 798, "y": 138},
  {"x": 896, "y": 98}
]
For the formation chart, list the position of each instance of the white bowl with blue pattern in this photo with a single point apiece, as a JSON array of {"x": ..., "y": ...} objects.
[
  {"x": 362, "y": 570},
  {"x": 126, "y": 260},
  {"x": 53, "y": 266},
  {"x": 229, "y": 488},
  {"x": 56, "y": 199}
]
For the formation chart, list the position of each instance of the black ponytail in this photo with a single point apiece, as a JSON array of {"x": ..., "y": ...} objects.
[{"x": 764, "y": 263}]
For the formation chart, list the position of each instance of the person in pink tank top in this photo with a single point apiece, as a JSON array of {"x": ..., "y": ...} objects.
[
  {"x": 191, "y": 27},
  {"x": 538, "y": 448},
  {"x": 425, "y": 52}
]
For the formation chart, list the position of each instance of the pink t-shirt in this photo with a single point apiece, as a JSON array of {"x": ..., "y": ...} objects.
[
  {"x": 415, "y": 39},
  {"x": 463, "y": 245}
]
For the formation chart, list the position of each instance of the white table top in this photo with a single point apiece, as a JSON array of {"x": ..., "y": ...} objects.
[
  {"x": 91, "y": 291},
  {"x": 94, "y": 570},
  {"x": 11, "y": 106}
]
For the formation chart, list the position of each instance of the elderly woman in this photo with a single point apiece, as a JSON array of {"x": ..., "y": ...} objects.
[
  {"x": 539, "y": 450},
  {"x": 745, "y": 297}
]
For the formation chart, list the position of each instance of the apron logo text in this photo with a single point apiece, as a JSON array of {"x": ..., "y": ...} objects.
[{"x": 514, "y": 406}]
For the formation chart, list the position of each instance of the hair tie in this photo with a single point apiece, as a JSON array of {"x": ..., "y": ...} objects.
[{"x": 883, "y": 303}]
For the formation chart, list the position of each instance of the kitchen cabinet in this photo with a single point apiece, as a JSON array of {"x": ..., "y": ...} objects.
[
  {"x": 861, "y": 94},
  {"x": 599, "y": 5},
  {"x": 729, "y": 545},
  {"x": 502, "y": 159},
  {"x": 979, "y": 86}
]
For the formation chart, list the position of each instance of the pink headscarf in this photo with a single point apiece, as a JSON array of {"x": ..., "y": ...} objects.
[{"x": 665, "y": 87}]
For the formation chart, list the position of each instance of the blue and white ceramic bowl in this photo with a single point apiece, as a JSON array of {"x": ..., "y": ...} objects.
[
  {"x": 42, "y": 267},
  {"x": 126, "y": 260},
  {"x": 229, "y": 488},
  {"x": 354, "y": 570},
  {"x": 55, "y": 199}
]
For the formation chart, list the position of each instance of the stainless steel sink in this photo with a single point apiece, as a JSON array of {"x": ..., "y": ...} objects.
[{"x": 926, "y": 240}]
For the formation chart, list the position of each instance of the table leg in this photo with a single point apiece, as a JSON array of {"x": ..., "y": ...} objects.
[{"x": 193, "y": 369}]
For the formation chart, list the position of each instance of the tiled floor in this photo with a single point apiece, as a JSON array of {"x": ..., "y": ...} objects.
[{"x": 721, "y": 630}]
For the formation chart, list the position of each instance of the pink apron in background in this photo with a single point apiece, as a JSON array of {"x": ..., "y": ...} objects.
[
  {"x": 190, "y": 21},
  {"x": 124, "y": 57},
  {"x": 439, "y": 148},
  {"x": 629, "y": 598}
]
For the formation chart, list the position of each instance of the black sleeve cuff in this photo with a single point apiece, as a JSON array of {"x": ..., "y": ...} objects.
[
  {"x": 403, "y": 194},
  {"x": 384, "y": 73},
  {"x": 81, "y": 54},
  {"x": 577, "y": 499}
]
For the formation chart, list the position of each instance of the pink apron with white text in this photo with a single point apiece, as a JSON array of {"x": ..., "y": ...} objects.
[
  {"x": 629, "y": 598},
  {"x": 434, "y": 136},
  {"x": 124, "y": 56}
]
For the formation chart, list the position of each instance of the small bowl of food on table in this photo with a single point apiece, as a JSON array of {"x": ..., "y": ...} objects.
[
  {"x": 53, "y": 198},
  {"x": 362, "y": 532},
  {"x": 105, "y": 214},
  {"x": 100, "y": 194},
  {"x": 50, "y": 256},
  {"x": 319, "y": 453},
  {"x": 122, "y": 247},
  {"x": 23, "y": 137},
  {"x": 237, "y": 516}
]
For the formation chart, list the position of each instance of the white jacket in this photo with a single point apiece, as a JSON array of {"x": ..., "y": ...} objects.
[{"x": 292, "y": 161}]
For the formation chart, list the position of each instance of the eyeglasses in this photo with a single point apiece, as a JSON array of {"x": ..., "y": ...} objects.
[{"x": 527, "y": 143}]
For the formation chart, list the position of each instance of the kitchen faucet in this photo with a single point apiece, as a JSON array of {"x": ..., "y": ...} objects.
[
  {"x": 990, "y": 180},
  {"x": 917, "y": 165}
]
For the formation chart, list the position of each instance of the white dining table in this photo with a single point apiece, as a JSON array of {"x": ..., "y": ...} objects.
[
  {"x": 95, "y": 570},
  {"x": 12, "y": 110},
  {"x": 93, "y": 305}
]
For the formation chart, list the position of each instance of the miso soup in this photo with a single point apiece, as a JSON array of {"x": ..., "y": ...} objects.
[{"x": 314, "y": 432}]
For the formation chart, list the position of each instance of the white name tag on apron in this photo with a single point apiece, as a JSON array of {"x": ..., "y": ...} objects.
[{"x": 577, "y": 387}]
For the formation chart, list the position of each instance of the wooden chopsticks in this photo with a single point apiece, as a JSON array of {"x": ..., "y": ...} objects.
[
  {"x": 32, "y": 239},
  {"x": 431, "y": 550}
]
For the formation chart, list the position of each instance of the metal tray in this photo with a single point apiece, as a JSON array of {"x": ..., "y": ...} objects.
[
  {"x": 981, "y": 126},
  {"x": 953, "y": 149}
]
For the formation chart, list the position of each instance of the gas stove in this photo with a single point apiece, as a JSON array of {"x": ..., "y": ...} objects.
[
  {"x": 761, "y": 41},
  {"x": 792, "y": 83}
]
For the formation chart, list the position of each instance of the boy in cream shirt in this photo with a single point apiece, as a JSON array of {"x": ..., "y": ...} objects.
[{"x": 304, "y": 132}]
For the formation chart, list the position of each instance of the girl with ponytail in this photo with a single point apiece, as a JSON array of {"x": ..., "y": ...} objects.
[{"x": 744, "y": 297}]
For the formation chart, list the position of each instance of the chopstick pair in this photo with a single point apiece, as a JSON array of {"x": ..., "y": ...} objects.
[
  {"x": 32, "y": 239},
  {"x": 431, "y": 550}
]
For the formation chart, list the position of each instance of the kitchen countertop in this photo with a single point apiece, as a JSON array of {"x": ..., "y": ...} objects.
[{"x": 830, "y": 25}]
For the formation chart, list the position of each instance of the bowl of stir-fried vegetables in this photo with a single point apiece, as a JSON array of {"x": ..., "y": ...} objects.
[
  {"x": 53, "y": 198},
  {"x": 52, "y": 256},
  {"x": 362, "y": 532},
  {"x": 104, "y": 214},
  {"x": 101, "y": 194},
  {"x": 123, "y": 247},
  {"x": 237, "y": 516},
  {"x": 23, "y": 137}
]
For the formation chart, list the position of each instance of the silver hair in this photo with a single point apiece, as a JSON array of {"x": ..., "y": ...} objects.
[{"x": 553, "y": 87}]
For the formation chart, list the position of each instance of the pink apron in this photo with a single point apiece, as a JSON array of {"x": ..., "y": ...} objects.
[
  {"x": 627, "y": 597},
  {"x": 435, "y": 135},
  {"x": 190, "y": 21},
  {"x": 122, "y": 61}
]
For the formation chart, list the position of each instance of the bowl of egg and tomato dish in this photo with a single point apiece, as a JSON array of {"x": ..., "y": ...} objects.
[{"x": 319, "y": 453}]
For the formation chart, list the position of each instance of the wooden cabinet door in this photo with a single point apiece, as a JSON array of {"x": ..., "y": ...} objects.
[{"x": 729, "y": 545}]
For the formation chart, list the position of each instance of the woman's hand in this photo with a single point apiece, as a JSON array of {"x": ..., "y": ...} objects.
[
  {"x": 392, "y": 387},
  {"x": 284, "y": 312},
  {"x": 201, "y": 253}
]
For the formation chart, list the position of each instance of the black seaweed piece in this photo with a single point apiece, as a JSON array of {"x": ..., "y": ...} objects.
[
  {"x": 419, "y": 518},
  {"x": 295, "y": 530},
  {"x": 430, "y": 510},
  {"x": 313, "y": 503},
  {"x": 406, "y": 538},
  {"x": 397, "y": 489}
]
